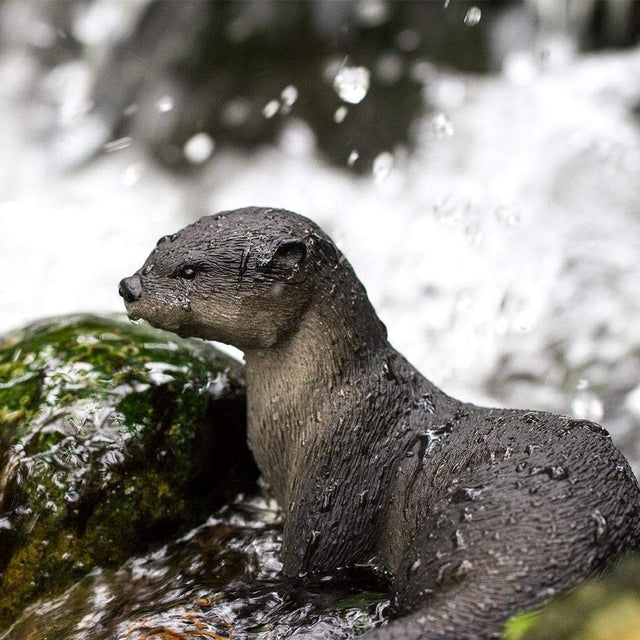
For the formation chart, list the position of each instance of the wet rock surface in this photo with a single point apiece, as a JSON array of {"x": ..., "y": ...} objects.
[
  {"x": 113, "y": 437},
  {"x": 220, "y": 580},
  {"x": 604, "y": 609}
]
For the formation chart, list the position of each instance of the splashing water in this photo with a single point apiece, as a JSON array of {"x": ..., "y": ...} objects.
[
  {"x": 165, "y": 104},
  {"x": 198, "y": 148},
  {"x": 340, "y": 114},
  {"x": 271, "y": 108},
  {"x": 219, "y": 580},
  {"x": 382, "y": 166},
  {"x": 472, "y": 17},
  {"x": 525, "y": 214},
  {"x": 352, "y": 84}
]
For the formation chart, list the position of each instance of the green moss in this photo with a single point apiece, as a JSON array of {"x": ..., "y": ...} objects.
[
  {"x": 517, "y": 626},
  {"x": 105, "y": 430},
  {"x": 607, "y": 608}
]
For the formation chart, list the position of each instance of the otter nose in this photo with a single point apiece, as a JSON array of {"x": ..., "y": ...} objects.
[{"x": 130, "y": 288}]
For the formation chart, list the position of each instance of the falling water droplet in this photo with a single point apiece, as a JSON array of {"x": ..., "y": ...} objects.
[
  {"x": 198, "y": 148},
  {"x": 289, "y": 95},
  {"x": 463, "y": 568},
  {"x": 382, "y": 166},
  {"x": 165, "y": 104},
  {"x": 508, "y": 215},
  {"x": 587, "y": 406},
  {"x": 117, "y": 145},
  {"x": 352, "y": 83},
  {"x": 441, "y": 126},
  {"x": 271, "y": 108},
  {"x": 132, "y": 175},
  {"x": 372, "y": 13},
  {"x": 340, "y": 114},
  {"x": 472, "y": 17},
  {"x": 353, "y": 156}
]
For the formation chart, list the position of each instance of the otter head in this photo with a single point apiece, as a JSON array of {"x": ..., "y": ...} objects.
[{"x": 243, "y": 277}]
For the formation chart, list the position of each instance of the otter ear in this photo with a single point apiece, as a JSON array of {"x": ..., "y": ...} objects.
[{"x": 286, "y": 260}]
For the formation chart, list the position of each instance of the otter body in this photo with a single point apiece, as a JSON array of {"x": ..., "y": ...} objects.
[{"x": 476, "y": 513}]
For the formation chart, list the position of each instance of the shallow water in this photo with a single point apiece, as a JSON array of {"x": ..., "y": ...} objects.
[{"x": 220, "y": 580}]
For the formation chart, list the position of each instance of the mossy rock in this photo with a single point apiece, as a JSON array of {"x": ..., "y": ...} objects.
[
  {"x": 221, "y": 580},
  {"x": 607, "y": 608},
  {"x": 112, "y": 438}
]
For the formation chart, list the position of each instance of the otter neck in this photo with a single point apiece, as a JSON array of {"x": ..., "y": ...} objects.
[{"x": 293, "y": 386}]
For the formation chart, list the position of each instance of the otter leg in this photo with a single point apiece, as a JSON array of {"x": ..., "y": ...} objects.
[{"x": 502, "y": 541}]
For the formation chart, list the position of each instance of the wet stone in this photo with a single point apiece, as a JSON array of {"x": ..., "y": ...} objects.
[
  {"x": 220, "y": 580},
  {"x": 112, "y": 438}
]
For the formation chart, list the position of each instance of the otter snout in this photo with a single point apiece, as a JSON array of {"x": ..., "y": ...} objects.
[{"x": 130, "y": 288}]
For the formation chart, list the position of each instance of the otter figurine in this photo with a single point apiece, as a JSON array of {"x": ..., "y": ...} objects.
[{"x": 476, "y": 513}]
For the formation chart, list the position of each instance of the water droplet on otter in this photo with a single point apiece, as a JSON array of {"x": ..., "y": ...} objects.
[
  {"x": 463, "y": 568},
  {"x": 442, "y": 571},
  {"x": 271, "y": 108},
  {"x": 352, "y": 84},
  {"x": 198, "y": 148},
  {"x": 387, "y": 372},
  {"x": 458, "y": 540},
  {"x": 557, "y": 472},
  {"x": 466, "y": 494},
  {"x": 353, "y": 156},
  {"x": 382, "y": 166},
  {"x": 326, "y": 502},
  {"x": 601, "y": 526},
  {"x": 413, "y": 567},
  {"x": 472, "y": 17},
  {"x": 546, "y": 593}
]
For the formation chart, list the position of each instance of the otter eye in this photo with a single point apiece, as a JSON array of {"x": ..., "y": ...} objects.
[{"x": 187, "y": 273}]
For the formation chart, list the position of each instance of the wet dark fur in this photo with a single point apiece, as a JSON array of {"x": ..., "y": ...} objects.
[{"x": 477, "y": 513}]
